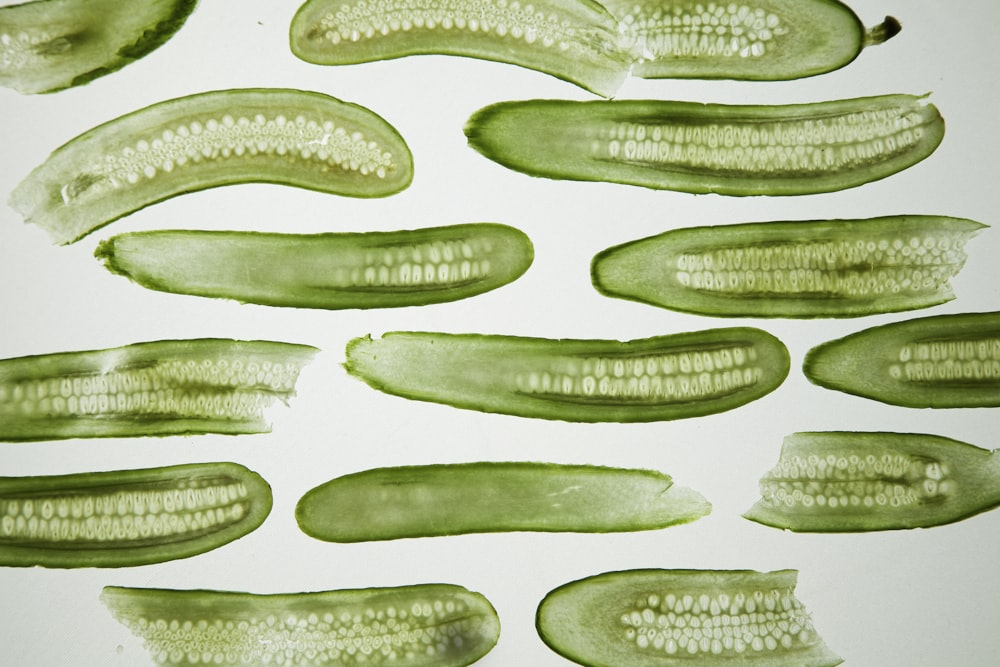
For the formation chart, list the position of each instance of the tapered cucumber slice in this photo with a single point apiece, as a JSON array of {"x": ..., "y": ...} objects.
[
  {"x": 853, "y": 482},
  {"x": 50, "y": 45},
  {"x": 154, "y": 388},
  {"x": 424, "y": 501},
  {"x": 128, "y": 517},
  {"x": 667, "y": 618},
  {"x": 574, "y": 40},
  {"x": 336, "y": 270},
  {"x": 652, "y": 379},
  {"x": 765, "y": 40},
  {"x": 943, "y": 361},
  {"x": 423, "y": 625},
  {"x": 271, "y": 135},
  {"x": 820, "y": 268},
  {"x": 731, "y": 150}
]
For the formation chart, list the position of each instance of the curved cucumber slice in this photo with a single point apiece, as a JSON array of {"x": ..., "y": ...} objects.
[
  {"x": 424, "y": 501},
  {"x": 154, "y": 388},
  {"x": 691, "y": 147},
  {"x": 50, "y": 45},
  {"x": 425, "y": 625},
  {"x": 574, "y": 40},
  {"x": 346, "y": 270},
  {"x": 128, "y": 517},
  {"x": 853, "y": 482},
  {"x": 291, "y": 137},
  {"x": 944, "y": 361},
  {"x": 766, "y": 40},
  {"x": 653, "y": 379},
  {"x": 666, "y": 618},
  {"x": 821, "y": 268}
]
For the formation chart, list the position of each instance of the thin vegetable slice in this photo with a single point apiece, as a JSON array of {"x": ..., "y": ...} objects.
[
  {"x": 574, "y": 40},
  {"x": 423, "y": 625},
  {"x": 224, "y": 137},
  {"x": 665, "y": 618},
  {"x": 453, "y": 499},
  {"x": 701, "y": 148},
  {"x": 653, "y": 379},
  {"x": 126, "y": 518},
  {"x": 336, "y": 270},
  {"x": 51, "y": 45},
  {"x": 802, "y": 269},
  {"x": 943, "y": 361},
  {"x": 153, "y": 388},
  {"x": 853, "y": 482},
  {"x": 766, "y": 40}
]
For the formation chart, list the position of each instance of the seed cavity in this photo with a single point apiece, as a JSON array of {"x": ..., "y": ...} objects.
[
  {"x": 442, "y": 264},
  {"x": 967, "y": 361}
]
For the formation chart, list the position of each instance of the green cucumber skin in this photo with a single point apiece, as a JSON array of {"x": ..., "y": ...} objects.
[
  {"x": 525, "y": 376},
  {"x": 53, "y": 45},
  {"x": 449, "y": 626},
  {"x": 887, "y": 364},
  {"x": 483, "y": 497},
  {"x": 648, "y": 270},
  {"x": 317, "y": 270},
  {"x": 61, "y": 496},
  {"x": 639, "y": 142},
  {"x": 930, "y": 481},
  {"x": 586, "y": 51},
  {"x": 168, "y": 387},
  {"x": 620, "y": 619},
  {"x": 208, "y": 140},
  {"x": 787, "y": 39}
]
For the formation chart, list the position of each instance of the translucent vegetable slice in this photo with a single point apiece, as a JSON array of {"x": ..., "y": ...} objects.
[
  {"x": 853, "y": 482},
  {"x": 336, "y": 270},
  {"x": 801, "y": 269},
  {"x": 270, "y": 135},
  {"x": 128, "y": 517},
  {"x": 666, "y": 377},
  {"x": 424, "y": 501}
]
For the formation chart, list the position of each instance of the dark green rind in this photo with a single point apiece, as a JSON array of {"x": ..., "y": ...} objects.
[
  {"x": 582, "y": 620},
  {"x": 85, "y": 39},
  {"x": 966, "y": 482},
  {"x": 435, "y": 500},
  {"x": 288, "y": 628},
  {"x": 867, "y": 363},
  {"x": 645, "y": 270},
  {"x": 481, "y": 372},
  {"x": 819, "y": 36},
  {"x": 563, "y": 139},
  {"x": 313, "y": 271},
  {"x": 129, "y": 552},
  {"x": 67, "y": 194},
  {"x": 39, "y": 423},
  {"x": 595, "y": 58}
]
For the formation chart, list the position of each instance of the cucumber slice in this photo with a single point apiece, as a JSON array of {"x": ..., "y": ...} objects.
[
  {"x": 339, "y": 270},
  {"x": 486, "y": 497},
  {"x": 853, "y": 482},
  {"x": 126, "y": 518},
  {"x": 269, "y": 135},
  {"x": 793, "y": 149},
  {"x": 671, "y": 618},
  {"x": 800, "y": 269},
  {"x": 51, "y": 45},
  {"x": 943, "y": 361},
  {"x": 653, "y": 379}
]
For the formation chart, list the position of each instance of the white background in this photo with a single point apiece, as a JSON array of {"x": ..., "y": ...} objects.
[{"x": 907, "y": 599}]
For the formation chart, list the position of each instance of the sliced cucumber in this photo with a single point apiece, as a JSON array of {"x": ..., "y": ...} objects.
[
  {"x": 661, "y": 378},
  {"x": 424, "y": 501},
  {"x": 821, "y": 268},
  {"x": 701, "y": 148},
  {"x": 852, "y": 482},
  {"x": 270, "y": 135}
]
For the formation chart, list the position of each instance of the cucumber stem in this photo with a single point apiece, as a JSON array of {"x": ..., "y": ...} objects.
[{"x": 883, "y": 32}]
